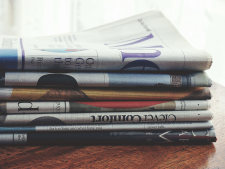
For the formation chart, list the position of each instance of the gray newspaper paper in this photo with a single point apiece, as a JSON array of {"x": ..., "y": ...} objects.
[
  {"x": 32, "y": 107},
  {"x": 110, "y": 127},
  {"x": 105, "y": 117},
  {"x": 91, "y": 79}
]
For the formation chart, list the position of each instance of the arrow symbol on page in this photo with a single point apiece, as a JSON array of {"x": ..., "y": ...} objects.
[{"x": 161, "y": 136}]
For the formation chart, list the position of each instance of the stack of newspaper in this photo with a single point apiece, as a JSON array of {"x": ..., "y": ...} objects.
[{"x": 136, "y": 80}]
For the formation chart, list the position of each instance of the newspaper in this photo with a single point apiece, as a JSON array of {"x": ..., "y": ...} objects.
[
  {"x": 103, "y": 94},
  {"x": 105, "y": 117},
  {"x": 198, "y": 79},
  {"x": 145, "y": 42},
  {"x": 138, "y": 137},
  {"x": 30, "y": 107},
  {"x": 109, "y": 127}
]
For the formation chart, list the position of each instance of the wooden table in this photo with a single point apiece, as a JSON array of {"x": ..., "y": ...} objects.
[{"x": 142, "y": 156}]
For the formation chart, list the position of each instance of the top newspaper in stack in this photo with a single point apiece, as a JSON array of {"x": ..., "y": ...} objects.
[{"x": 146, "y": 42}]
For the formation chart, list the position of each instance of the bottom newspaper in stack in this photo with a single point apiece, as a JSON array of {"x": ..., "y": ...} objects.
[{"x": 130, "y": 122}]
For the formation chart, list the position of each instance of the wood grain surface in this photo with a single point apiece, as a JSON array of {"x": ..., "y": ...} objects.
[{"x": 132, "y": 156}]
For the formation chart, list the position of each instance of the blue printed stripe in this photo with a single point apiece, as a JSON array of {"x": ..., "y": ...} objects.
[
  {"x": 8, "y": 59},
  {"x": 17, "y": 129}
]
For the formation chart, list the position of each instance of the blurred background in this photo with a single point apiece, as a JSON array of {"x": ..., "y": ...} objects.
[{"x": 201, "y": 22}]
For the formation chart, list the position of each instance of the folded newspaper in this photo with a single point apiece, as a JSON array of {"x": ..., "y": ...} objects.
[
  {"x": 145, "y": 42},
  {"x": 103, "y": 94},
  {"x": 105, "y": 117},
  {"x": 108, "y": 127},
  {"x": 34, "y": 107},
  {"x": 122, "y": 137},
  {"x": 91, "y": 79}
]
